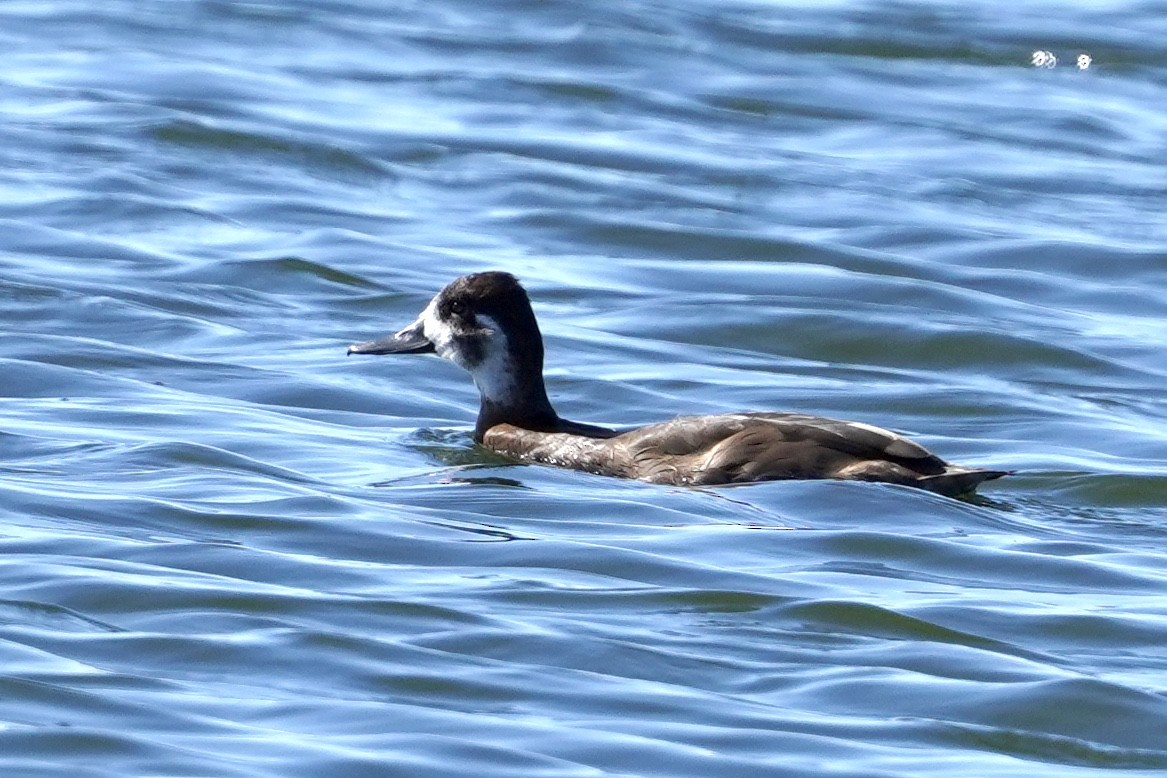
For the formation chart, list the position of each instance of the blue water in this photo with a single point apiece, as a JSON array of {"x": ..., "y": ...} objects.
[{"x": 227, "y": 550}]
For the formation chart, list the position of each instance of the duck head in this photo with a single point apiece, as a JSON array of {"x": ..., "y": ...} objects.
[{"x": 483, "y": 322}]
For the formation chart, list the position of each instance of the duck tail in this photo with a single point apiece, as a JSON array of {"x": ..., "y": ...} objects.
[{"x": 957, "y": 481}]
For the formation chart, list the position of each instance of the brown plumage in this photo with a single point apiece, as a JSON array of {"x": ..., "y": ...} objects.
[{"x": 484, "y": 323}]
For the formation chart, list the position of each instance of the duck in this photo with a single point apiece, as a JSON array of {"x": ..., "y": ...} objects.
[{"x": 484, "y": 323}]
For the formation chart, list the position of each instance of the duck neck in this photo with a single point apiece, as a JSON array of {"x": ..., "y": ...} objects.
[{"x": 520, "y": 400}]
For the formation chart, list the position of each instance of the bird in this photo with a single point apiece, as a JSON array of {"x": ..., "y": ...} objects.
[{"x": 484, "y": 323}]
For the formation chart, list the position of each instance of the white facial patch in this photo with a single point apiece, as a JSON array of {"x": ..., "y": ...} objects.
[
  {"x": 436, "y": 331},
  {"x": 486, "y": 358}
]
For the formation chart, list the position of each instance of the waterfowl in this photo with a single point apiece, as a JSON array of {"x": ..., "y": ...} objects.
[{"x": 484, "y": 323}]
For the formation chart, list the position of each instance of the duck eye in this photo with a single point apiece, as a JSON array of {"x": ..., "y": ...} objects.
[{"x": 457, "y": 307}]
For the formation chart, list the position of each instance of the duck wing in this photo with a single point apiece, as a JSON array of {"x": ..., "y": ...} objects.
[
  {"x": 863, "y": 441},
  {"x": 746, "y": 447}
]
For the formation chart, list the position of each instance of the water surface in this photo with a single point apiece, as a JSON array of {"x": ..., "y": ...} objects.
[{"x": 227, "y": 550}]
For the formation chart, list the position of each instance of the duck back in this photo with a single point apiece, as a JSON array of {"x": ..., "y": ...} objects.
[{"x": 741, "y": 448}]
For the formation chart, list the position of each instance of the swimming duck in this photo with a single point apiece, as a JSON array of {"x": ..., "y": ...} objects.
[{"x": 483, "y": 322}]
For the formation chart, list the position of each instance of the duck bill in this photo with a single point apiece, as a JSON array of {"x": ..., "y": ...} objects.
[{"x": 410, "y": 340}]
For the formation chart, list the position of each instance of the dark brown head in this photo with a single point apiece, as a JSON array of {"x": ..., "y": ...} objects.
[{"x": 483, "y": 322}]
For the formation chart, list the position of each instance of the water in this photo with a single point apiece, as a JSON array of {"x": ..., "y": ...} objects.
[{"x": 227, "y": 550}]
